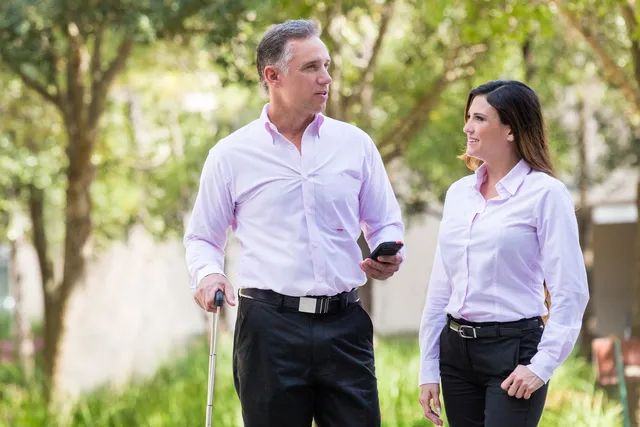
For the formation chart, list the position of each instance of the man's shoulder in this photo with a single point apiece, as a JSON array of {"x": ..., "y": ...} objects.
[
  {"x": 236, "y": 138},
  {"x": 335, "y": 126}
]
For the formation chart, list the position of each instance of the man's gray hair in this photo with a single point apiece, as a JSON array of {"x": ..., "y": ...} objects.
[{"x": 274, "y": 48}]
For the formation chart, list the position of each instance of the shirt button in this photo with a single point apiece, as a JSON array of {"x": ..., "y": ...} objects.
[
  {"x": 310, "y": 211},
  {"x": 314, "y": 244},
  {"x": 304, "y": 176},
  {"x": 290, "y": 147}
]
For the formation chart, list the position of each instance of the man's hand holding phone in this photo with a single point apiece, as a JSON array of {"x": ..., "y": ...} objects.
[{"x": 383, "y": 262}]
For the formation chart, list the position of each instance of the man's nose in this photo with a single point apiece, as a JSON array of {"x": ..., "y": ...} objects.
[{"x": 325, "y": 78}]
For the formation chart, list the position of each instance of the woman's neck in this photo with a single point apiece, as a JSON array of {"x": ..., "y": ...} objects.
[{"x": 499, "y": 169}]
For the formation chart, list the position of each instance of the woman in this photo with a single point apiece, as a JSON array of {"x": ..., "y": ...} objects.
[{"x": 505, "y": 232}]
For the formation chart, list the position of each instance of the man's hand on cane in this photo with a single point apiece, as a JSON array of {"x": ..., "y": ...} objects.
[
  {"x": 206, "y": 292},
  {"x": 429, "y": 392}
]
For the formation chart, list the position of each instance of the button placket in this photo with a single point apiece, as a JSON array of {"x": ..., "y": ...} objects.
[{"x": 309, "y": 202}]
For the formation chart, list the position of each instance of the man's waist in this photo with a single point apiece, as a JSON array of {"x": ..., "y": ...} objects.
[{"x": 305, "y": 304}]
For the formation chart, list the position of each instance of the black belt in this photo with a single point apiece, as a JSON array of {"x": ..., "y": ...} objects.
[
  {"x": 312, "y": 305},
  {"x": 494, "y": 330}
]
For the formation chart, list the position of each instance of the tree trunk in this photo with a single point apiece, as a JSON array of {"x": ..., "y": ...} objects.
[
  {"x": 584, "y": 224},
  {"x": 23, "y": 341},
  {"x": 78, "y": 228}
]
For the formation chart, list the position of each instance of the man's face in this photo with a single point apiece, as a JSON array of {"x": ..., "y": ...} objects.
[{"x": 306, "y": 85}]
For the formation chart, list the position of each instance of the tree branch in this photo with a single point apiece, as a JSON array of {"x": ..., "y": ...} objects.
[
  {"x": 75, "y": 82},
  {"x": 36, "y": 86},
  {"x": 36, "y": 213},
  {"x": 369, "y": 70},
  {"x": 189, "y": 8},
  {"x": 102, "y": 86},
  {"x": 632, "y": 25},
  {"x": 96, "y": 56},
  {"x": 396, "y": 141},
  {"x": 615, "y": 75}
]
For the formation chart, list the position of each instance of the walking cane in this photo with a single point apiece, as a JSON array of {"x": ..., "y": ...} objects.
[{"x": 219, "y": 299}]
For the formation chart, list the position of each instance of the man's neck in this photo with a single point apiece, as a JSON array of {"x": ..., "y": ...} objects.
[{"x": 291, "y": 124}]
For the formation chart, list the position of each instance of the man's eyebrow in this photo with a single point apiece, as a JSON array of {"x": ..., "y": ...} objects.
[{"x": 315, "y": 61}]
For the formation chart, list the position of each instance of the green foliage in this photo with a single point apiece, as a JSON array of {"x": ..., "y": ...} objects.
[{"x": 176, "y": 395}]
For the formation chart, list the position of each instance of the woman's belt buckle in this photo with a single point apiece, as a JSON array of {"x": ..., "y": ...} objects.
[{"x": 463, "y": 328}]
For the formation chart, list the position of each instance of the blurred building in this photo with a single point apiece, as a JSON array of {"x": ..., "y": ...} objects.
[{"x": 615, "y": 252}]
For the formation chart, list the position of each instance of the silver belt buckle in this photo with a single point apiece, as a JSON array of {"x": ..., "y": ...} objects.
[
  {"x": 307, "y": 305},
  {"x": 462, "y": 328}
]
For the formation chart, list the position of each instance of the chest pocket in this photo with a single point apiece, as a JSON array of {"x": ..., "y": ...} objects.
[{"x": 341, "y": 193}]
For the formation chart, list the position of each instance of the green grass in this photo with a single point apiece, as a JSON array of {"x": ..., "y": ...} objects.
[{"x": 176, "y": 395}]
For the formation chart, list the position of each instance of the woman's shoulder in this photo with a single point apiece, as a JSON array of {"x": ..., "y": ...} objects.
[
  {"x": 462, "y": 183},
  {"x": 542, "y": 183}
]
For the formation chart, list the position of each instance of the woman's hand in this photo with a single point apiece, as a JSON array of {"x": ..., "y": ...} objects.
[
  {"x": 429, "y": 392},
  {"x": 522, "y": 383}
]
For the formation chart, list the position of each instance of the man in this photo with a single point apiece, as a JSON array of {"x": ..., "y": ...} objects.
[{"x": 297, "y": 188}]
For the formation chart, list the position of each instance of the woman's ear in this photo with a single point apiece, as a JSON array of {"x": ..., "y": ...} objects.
[{"x": 510, "y": 135}]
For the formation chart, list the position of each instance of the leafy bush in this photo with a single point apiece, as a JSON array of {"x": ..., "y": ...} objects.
[{"x": 176, "y": 395}]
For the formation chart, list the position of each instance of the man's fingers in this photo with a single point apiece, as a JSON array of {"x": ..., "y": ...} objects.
[
  {"x": 390, "y": 259},
  {"x": 384, "y": 266},
  {"x": 373, "y": 266},
  {"x": 373, "y": 270},
  {"x": 229, "y": 294}
]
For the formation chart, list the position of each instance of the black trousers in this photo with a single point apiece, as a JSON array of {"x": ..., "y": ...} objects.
[
  {"x": 472, "y": 371},
  {"x": 290, "y": 367}
]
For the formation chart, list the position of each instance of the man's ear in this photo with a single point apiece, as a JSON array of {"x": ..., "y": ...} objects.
[{"x": 272, "y": 75}]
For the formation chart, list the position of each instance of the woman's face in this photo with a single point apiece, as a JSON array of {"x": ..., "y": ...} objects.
[{"x": 487, "y": 138}]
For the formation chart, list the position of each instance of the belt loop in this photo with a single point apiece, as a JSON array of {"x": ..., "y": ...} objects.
[{"x": 281, "y": 305}]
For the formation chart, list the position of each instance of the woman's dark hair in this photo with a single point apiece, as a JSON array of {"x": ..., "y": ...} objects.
[{"x": 518, "y": 106}]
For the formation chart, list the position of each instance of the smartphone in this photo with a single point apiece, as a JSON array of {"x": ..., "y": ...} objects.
[{"x": 386, "y": 249}]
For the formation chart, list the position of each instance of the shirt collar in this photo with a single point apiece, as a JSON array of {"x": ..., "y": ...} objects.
[
  {"x": 272, "y": 130},
  {"x": 511, "y": 181}
]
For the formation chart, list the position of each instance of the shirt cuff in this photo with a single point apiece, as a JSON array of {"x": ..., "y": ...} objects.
[
  {"x": 430, "y": 372},
  {"x": 202, "y": 273},
  {"x": 542, "y": 365}
]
